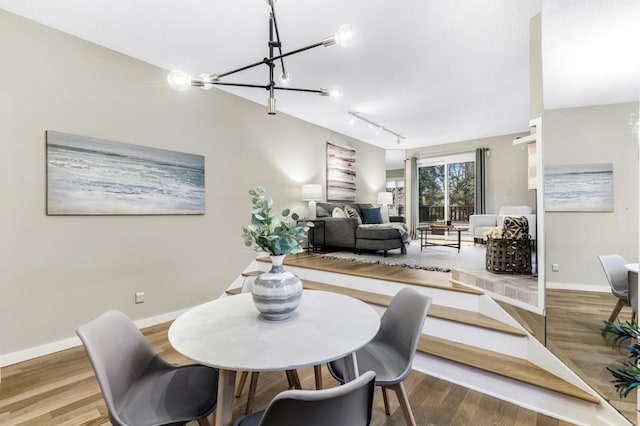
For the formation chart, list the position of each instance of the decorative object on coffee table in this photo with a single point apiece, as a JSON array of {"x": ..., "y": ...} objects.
[
  {"x": 438, "y": 228},
  {"x": 276, "y": 293}
]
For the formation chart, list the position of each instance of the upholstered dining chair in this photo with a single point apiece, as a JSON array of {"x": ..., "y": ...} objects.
[
  {"x": 140, "y": 388},
  {"x": 348, "y": 405},
  {"x": 617, "y": 275},
  {"x": 390, "y": 354}
]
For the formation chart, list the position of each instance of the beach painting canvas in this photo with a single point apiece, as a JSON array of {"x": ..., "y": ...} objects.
[
  {"x": 89, "y": 176},
  {"x": 341, "y": 173},
  {"x": 579, "y": 187}
]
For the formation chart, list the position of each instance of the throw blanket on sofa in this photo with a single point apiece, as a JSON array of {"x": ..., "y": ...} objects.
[{"x": 401, "y": 227}]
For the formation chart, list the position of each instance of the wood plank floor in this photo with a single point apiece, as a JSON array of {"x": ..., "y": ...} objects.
[
  {"x": 60, "y": 389},
  {"x": 572, "y": 333}
]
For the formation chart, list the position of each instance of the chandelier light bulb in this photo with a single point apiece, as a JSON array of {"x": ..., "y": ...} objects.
[
  {"x": 206, "y": 81},
  {"x": 285, "y": 79},
  {"x": 335, "y": 93},
  {"x": 352, "y": 120},
  {"x": 345, "y": 35},
  {"x": 178, "y": 80}
]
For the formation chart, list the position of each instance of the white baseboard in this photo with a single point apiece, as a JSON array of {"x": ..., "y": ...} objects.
[
  {"x": 578, "y": 287},
  {"x": 60, "y": 345}
]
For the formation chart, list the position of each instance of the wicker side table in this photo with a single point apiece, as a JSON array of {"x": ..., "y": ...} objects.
[{"x": 508, "y": 256}]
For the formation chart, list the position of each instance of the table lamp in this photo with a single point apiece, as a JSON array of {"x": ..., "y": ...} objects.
[
  {"x": 311, "y": 193},
  {"x": 385, "y": 198}
]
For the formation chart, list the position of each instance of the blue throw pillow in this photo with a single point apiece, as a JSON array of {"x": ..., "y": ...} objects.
[{"x": 371, "y": 216}]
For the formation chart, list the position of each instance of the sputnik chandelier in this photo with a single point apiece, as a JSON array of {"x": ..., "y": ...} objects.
[{"x": 179, "y": 80}]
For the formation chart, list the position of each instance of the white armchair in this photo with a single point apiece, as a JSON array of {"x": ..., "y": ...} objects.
[{"x": 480, "y": 223}]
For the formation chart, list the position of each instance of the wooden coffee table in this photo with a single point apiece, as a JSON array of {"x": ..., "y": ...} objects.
[{"x": 424, "y": 234}]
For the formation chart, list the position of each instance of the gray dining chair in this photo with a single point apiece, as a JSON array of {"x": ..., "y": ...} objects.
[
  {"x": 633, "y": 293},
  {"x": 617, "y": 275},
  {"x": 390, "y": 354},
  {"x": 138, "y": 387},
  {"x": 348, "y": 405}
]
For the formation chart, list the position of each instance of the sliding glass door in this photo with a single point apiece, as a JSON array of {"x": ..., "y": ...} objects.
[{"x": 446, "y": 188}]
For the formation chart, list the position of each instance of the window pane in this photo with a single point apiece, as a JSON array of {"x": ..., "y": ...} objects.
[
  {"x": 461, "y": 190},
  {"x": 431, "y": 193}
]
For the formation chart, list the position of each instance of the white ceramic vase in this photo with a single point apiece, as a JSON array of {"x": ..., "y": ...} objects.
[{"x": 277, "y": 293}]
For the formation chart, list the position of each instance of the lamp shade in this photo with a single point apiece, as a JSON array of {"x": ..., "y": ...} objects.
[
  {"x": 311, "y": 192},
  {"x": 385, "y": 198}
]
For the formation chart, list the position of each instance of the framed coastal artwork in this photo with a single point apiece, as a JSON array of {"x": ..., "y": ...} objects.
[
  {"x": 579, "y": 187},
  {"x": 341, "y": 173},
  {"x": 89, "y": 176}
]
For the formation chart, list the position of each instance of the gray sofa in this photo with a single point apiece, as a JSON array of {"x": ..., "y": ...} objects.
[{"x": 349, "y": 233}]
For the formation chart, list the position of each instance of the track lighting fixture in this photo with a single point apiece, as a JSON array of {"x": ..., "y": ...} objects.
[{"x": 377, "y": 128}]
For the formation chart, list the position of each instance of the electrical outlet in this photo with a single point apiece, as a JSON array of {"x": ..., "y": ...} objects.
[
  {"x": 140, "y": 297},
  {"x": 555, "y": 267}
]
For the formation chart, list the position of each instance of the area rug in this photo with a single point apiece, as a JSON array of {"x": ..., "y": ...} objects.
[{"x": 439, "y": 259}]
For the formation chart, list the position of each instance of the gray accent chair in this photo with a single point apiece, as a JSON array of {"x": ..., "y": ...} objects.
[
  {"x": 618, "y": 277},
  {"x": 139, "y": 387},
  {"x": 390, "y": 354},
  {"x": 348, "y": 405}
]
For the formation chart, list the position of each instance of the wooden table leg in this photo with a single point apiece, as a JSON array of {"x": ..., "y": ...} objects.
[{"x": 226, "y": 389}]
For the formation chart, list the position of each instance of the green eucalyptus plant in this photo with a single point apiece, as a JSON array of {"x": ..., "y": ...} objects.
[
  {"x": 627, "y": 377},
  {"x": 269, "y": 233}
]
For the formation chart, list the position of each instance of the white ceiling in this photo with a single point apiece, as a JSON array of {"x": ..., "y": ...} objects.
[{"x": 434, "y": 71}]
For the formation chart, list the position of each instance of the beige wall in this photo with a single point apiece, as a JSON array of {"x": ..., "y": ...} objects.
[
  {"x": 598, "y": 134},
  {"x": 506, "y": 169},
  {"x": 535, "y": 66},
  {"x": 398, "y": 173},
  {"x": 60, "y": 271}
]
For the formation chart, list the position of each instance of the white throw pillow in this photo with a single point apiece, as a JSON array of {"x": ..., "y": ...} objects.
[
  {"x": 338, "y": 212},
  {"x": 384, "y": 212}
]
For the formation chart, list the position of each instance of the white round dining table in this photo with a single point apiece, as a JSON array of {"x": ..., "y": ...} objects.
[{"x": 230, "y": 334}]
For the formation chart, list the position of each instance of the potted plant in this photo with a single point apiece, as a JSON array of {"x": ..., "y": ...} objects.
[
  {"x": 626, "y": 377},
  {"x": 269, "y": 233},
  {"x": 276, "y": 293}
]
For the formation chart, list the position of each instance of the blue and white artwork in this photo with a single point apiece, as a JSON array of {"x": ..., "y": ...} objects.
[
  {"x": 88, "y": 176},
  {"x": 579, "y": 187}
]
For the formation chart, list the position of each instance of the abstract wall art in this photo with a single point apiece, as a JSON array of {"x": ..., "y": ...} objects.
[
  {"x": 89, "y": 176},
  {"x": 341, "y": 173}
]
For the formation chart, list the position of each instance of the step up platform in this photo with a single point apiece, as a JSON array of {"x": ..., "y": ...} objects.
[
  {"x": 493, "y": 362},
  {"x": 469, "y": 340}
]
